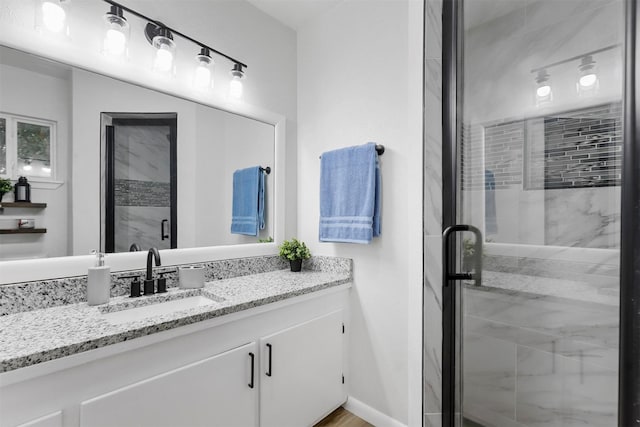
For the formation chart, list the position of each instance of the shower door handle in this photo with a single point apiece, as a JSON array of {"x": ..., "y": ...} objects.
[
  {"x": 162, "y": 233},
  {"x": 448, "y": 255}
]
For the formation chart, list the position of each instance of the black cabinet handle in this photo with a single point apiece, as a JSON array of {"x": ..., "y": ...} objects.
[
  {"x": 268, "y": 373},
  {"x": 252, "y": 356},
  {"x": 162, "y": 233}
]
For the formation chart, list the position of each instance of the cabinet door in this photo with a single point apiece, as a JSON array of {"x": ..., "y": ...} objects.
[
  {"x": 213, "y": 392},
  {"x": 301, "y": 377}
]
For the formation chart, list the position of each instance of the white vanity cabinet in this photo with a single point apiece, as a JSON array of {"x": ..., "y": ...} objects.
[
  {"x": 217, "y": 391},
  {"x": 302, "y": 372},
  {"x": 197, "y": 375}
]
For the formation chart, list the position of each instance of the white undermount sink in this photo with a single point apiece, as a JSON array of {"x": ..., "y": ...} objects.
[{"x": 157, "y": 309}]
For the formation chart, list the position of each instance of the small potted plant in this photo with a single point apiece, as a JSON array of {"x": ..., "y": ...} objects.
[
  {"x": 295, "y": 251},
  {"x": 5, "y": 186}
]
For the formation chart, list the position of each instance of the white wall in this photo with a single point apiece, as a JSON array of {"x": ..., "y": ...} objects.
[
  {"x": 355, "y": 85},
  {"x": 227, "y": 142},
  {"x": 47, "y": 97}
]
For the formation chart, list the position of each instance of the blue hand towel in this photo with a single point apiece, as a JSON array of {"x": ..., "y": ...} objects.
[
  {"x": 350, "y": 185},
  {"x": 247, "y": 215}
]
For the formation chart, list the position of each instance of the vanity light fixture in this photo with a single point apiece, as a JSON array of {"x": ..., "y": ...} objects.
[
  {"x": 235, "y": 85},
  {"x": 202, "y": 78},
  {"x": 588, "y": 82},
  {"x": 544, "y": 93},
  {"x": 52, "y": 15},
  {"x": 116, "y": 36},
  {"x": 161, "y": 37}
]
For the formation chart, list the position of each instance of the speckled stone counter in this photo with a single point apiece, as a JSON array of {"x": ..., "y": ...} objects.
[{"x": 31, "y": 337}]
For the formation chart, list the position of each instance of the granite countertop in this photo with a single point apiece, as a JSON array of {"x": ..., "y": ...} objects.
[{"x": 32, "y": 337}]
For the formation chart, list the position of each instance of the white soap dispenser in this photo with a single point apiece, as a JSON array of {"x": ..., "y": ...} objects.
[{"x": 98, "y": 282}]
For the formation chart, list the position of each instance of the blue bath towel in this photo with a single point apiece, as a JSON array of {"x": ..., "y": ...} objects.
[
  {"x": 350, "y": 184},
  {"x": 247, "y": 215}
]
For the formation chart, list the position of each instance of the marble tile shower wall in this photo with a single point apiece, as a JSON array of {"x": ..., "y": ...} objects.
[
  {"x": 432, "y": 289},
  {"x": 27, "y": 296}
]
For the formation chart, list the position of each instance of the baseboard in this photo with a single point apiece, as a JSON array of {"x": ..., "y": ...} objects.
[{"x": 369, "y": 414}]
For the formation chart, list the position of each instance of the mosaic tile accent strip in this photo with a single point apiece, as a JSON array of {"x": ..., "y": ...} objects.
[
  {"x": 575, "y": 149},
  {"x": 131, "y": 192}
]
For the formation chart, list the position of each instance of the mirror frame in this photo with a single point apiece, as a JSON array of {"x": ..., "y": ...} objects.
[{"x": 69, "y": 266}]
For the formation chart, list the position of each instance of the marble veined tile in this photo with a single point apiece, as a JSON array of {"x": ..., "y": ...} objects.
[
  {"x": 433, "y": 148},
  {"x": 490, "y": 374},
  {"x": 433, "y": 30},
  {"x": 142, "y": 153},
  {"x": 432, "y": 303},
  {"x": 583, "y": 217},
  {"x": 545, "y": 315},
  {"x": 542, "y": 13},
  {"x": 577, "y": 350},
  {"x": 141, "y": 225},
  {"x": 553, "y": 390}
]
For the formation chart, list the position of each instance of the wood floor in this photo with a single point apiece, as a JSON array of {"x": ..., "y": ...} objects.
[{"x": 342, "y": 418}]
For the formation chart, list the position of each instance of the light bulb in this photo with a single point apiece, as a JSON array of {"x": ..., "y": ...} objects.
[
  {"x": 114, "y": 42},
  {"x": 202, "y": 77},
  {"x": 164, "y": 59},
  {"x": 235, "y": 88},
  {"x": 26, "y": 167},
  {"x": 588, "y": 80},
  {"x": 53, "y": 16},
  {"x": 46, "y": 169},
  {"x": 543, "y": 91}
]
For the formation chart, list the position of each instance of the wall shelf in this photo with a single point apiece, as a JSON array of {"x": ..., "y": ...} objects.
[
  {"x": 24, "y": 231},
  {"x": 22, "y": 205}
]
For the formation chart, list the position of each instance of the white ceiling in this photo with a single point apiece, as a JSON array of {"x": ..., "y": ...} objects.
[{"x": 294, "y": 13}]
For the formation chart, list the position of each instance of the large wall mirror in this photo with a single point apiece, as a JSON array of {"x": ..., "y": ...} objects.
[{"x": 164, "y": 198}]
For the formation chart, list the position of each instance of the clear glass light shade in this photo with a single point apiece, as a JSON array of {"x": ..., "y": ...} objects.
[
  {"x": 164, "y": 56},
  {"x": 235, "y": 87},
  {"x": 202, "y": 77},
  {"x": 544, "y": 93},
  {"x": 588, "y": 82},
  {"x": 52, "y": 15},
  {"x": 116, "y": 36}
]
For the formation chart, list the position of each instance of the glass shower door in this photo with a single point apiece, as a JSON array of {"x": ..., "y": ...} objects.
[
  {"x": 539, "y": 174},
  {"x": 141, "y": 182}
]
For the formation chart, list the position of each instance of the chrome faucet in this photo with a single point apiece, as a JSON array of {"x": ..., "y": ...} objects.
[{"x": 149, "y": 283}]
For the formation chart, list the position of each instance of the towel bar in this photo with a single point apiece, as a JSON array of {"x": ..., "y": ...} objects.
[{"x": 379, "y": 150}]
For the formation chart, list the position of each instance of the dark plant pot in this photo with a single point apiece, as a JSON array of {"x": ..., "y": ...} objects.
[
  {"x": 296, "y": 264},
  {"x": 1, "y": 194}
]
